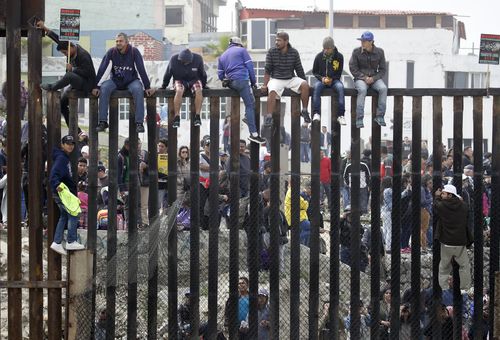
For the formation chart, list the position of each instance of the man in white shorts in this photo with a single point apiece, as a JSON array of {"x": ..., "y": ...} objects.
[{"x": 284, "y": 70}]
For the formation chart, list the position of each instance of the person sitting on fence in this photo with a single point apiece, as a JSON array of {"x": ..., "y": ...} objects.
[
  {"x": 61, "y": 181},
  {"x": 282, "y": 63},
  {"x": 368, "y": 68},
  {"x": 188, "y": 71},
  {"x": 243, "y": 308},
  {"x": 236, "y": 72},
  {"x": 126, "y": 63},
  {"x": 80, "y": 73},
  {"x": 305, "y": 224},
  {"x": 327, "y": 68},
  {"x": 453, "y": 234}
]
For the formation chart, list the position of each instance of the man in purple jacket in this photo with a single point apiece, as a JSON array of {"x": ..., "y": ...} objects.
[
  {"x": 236, "y": 72},
  {"x": 126, "y": 61}
]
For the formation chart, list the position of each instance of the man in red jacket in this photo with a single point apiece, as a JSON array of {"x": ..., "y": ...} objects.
[{"x": 325, "y": 175}]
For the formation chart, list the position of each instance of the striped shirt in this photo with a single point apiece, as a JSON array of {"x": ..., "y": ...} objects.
[{"x": 282, "y": 65}]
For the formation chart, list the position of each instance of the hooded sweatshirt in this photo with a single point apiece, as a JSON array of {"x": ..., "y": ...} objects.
[
  {"x": 328, "y": 65},
  {"x": 187, "y": 73},
  {"x": 61, "y": 171},
  {"x": 452, "y": 221},
  {"x": 235, "y": 64}
]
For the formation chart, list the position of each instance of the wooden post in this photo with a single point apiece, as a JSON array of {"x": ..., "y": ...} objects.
[{"x": 496, "y": 321}]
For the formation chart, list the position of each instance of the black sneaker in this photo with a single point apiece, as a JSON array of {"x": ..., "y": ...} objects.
[
  {"x": 197, "y": 120},
  {"x": 102, "y": 126},
  {"x": 245, "y": 120},
  {"x": 305, "y": 115},
  {"x": 177, "y": 122},
  {"x": 139, "y": 127},
  {"x": 257, "y": 139},
  {"x": 46, "y": 87}
]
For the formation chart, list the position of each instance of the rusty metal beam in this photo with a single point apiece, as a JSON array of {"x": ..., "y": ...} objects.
[{"x": 33, "y": 284}]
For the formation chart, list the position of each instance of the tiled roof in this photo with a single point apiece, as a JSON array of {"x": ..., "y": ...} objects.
[{"x": 354, "y": 11}]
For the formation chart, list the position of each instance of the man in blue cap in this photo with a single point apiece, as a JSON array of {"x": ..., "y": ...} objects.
[
  {"x": 368, "y": 68},
  {"x": 188, "y": 71}
]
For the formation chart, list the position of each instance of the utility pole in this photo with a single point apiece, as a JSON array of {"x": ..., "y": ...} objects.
[{"x": 330, "y": 21}]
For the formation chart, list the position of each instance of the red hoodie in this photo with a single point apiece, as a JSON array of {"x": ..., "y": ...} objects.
[{"x": 325, "y": 170}]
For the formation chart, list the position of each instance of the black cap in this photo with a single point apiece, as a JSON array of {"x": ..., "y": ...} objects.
[
  {"x": 101, "y": 168},
  {"x": 63, "y": 45},
  {"x": 68, "y": 139}
]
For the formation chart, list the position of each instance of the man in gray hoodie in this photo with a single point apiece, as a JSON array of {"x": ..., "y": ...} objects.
[{"x": 368, "y": 68}]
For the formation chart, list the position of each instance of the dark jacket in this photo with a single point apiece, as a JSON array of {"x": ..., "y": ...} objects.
[
  {"x": 323, "y": 68},
  {"x": 187, "y": 73},
  {"x": 283, "y": 65},
  {"x": 125, "y": 67},
  {"x": 82, "y": 64},
  {"x": 367, "y": 64},
  {"x": 123, "y": 169},
  {"x": 61, "y": 171},
  {"x": 451, "y": 221}
]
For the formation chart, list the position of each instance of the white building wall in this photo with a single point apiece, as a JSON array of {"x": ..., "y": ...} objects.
[{"x": 178, "y": 35}]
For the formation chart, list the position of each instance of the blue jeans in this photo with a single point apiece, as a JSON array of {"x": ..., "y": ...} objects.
[
  {"x": 362, "y": 88},
  {"x": 65, "y": 218},
  {"x": 339, "y": 88},
  {"x": 346, "y": 195},
  {"x": 363, "y": 199},
  {"x": 245, "y": 91},
  {"x": 304, "y": 152},
  {"x": 305, "y": 232},
  {"x": 135, "y": 88}
]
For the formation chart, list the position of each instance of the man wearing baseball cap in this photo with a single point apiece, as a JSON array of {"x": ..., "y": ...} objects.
[
  {"x": 61, "y": 180},
  {"x": 453, "y": 234},
  {"x": 368, "y": 68}
]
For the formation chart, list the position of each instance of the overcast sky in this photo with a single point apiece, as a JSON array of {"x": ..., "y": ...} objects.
[{"x": 479, "y": 16}]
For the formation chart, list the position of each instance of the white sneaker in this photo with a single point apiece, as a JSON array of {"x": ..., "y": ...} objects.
[
  {"x": 341, "y": 120},
  {"x": 58, "y": 248},
  {"x": 74, "y": 246},
  {"x": 316, "y": 117}
]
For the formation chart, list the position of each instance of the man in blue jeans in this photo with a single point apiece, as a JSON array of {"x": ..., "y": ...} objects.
[
  {"x": 61, "y": 173},
  {"x": 126, "y": 61},
  {"x": 368, "y": 68},
  {"x": 236, "y": 72},
  {"x": 327, "y": 68}
]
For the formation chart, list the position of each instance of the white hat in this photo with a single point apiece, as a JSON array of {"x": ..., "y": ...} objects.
[
  {"x": 235, "y": 40},
  {"x": 449, "y": 188},
  {"x": 85, "y": 149}
]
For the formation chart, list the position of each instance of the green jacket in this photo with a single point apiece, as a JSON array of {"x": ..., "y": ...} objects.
[{"x": 70, "y": 201}]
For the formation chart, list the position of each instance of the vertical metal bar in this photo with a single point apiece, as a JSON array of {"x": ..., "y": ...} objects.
[
  {"x": 376, "y": 242},
  {"x": 437, "y": 135},
  {"x": 253, "y": 232},
  {"x": 274, "y": 218},
  {"x": 415, "y": 203},
  {"x": 314, "y": 239},
  {"x": 111, "y": 234},
  {"x": 334, "y": 310},
  {"x": 194, "y": 238},
  {"x": 13, "y": 26},
  {"x": 73, "y": 130},
  {"x": 355, "y": 237},
  {"x": 54, "y": 259},
  {"x": 295, "y": 225},
  {"x": 458, "y": 112},
  {"x": 133, "y": 207},
  {"x": 396, "y": 218},
  {"x": 234, "y": 238},
  {"x": 495, "y": 216},
  {"x": 153, "y": 220},
  {"x": 478, "y": 217},
  {"x": 35, "y": 179},
  {"x": 213, "y": 237},
  {"x": 172, "y": 237},
  {"x": 92, "y": 208}
]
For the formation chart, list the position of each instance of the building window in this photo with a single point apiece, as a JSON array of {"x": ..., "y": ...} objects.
[
  {"x": 123, "y": 108},
  {"x": 447, "y": 21},
  {"x": 369, "y": 21},
  {"x": 244, "y": 31},
  {"x": 478, "y": 80},
  {"x": 424, "y": 21},
  {"x": 273, "y": 28},
  {"x": 410, "y": 74},
  {"x": 343, "y": 20},
  {"x": 457, "y": 80},
  {"x": 396, "y": 21},
  {"x": 258, "y": 34},
  {"x": 174, "y": 16},
  {"x": 259, "y": 67}
]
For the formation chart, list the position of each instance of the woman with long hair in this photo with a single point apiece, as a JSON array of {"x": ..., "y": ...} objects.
[{"x": 183, "y": 175}]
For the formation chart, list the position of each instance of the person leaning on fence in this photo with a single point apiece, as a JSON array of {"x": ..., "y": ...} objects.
[
  {"x": 80, "y": 73},
  {"x": 127, "y": 63},
  {"x": 327, "y": 68},
  {"x": 188, "y": 72},
  {"x": 282, "y": 63},
  {"x": 368, "y": 68},
  {"x": 452, "y": 233},
  {"x": 236, "y": 71},
  {"x": 64, "y": 193}
]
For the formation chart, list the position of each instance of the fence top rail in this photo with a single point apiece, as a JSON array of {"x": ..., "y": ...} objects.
[{"x": 222, "y": 92}]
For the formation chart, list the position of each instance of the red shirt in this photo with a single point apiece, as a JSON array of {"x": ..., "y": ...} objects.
[{"x": 325, "y": 170}]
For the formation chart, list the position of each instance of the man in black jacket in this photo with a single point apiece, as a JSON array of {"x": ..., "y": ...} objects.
[
  {"x": 80, "y": 72},
  {"x": 368, "y": 68},
  {"x": 327, "y": 68},
  {"x": 451, "y": 232},
  {"x": 188, "y": 71}
]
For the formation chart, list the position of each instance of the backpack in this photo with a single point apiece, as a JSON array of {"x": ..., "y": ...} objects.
[{"x": 102, "y": 219}]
